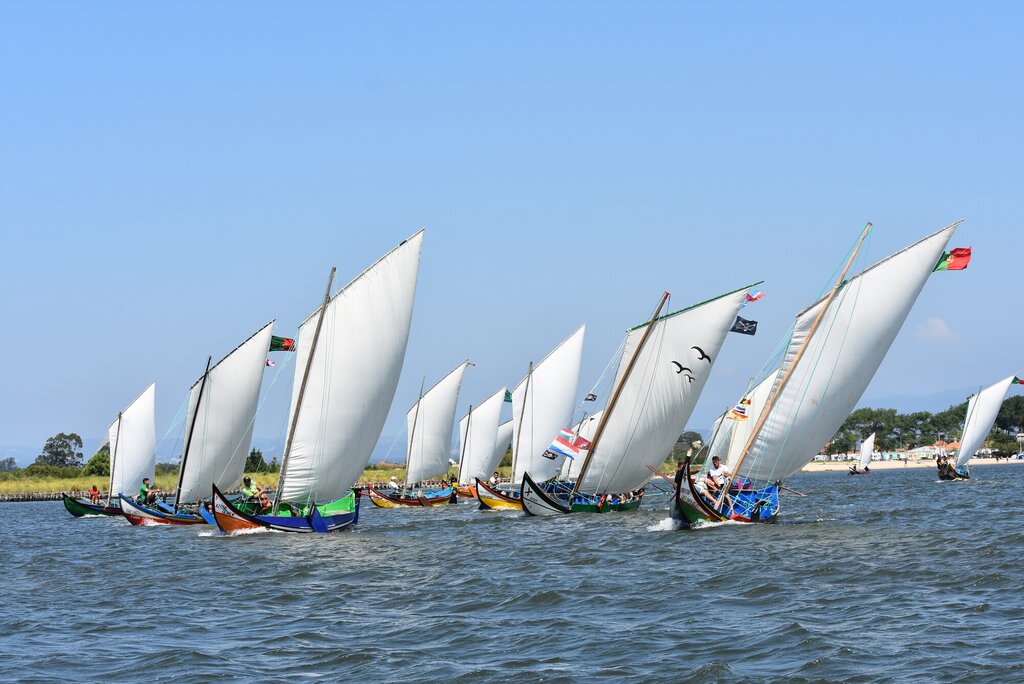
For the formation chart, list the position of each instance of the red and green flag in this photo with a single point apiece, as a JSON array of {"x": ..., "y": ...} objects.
[
  {"x": 281, "y": 343},
  {"x": 508, "y": 396},
  {"x": 1017, "y": 381},
  {"x": 954, "y": 260}
]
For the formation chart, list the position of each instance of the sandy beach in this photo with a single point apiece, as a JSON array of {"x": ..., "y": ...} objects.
[{"x": 834, "y": 466}]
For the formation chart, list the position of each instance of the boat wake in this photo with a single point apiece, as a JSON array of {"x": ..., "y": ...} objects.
[{"x": 664, "y": 525}]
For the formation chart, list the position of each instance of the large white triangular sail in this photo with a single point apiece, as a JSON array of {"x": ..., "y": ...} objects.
[
  {"x": 429, "y": 428},
  {"x": 982, "y": 410},
  {"x": 132, "y": 438},
  {"x": 866, "y": 449},
  {"x": 856, "y": 329},
  {"x": 221, "y": 432},
  {"x": 542, "y": 404},
  {"x": 478, "y": 432},
  {"x": 660, "y": 393},
  {"x": 353, "y": 377}
]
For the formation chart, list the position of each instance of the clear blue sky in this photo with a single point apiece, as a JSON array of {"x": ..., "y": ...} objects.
[{"x": 173, "y": 175}]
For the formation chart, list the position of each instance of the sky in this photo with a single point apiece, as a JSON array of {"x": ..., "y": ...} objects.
[{"x": 174, "y": 175}]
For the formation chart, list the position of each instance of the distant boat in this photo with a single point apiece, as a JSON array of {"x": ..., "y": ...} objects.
[
  {"x": 862, "y": 467},
  {"x": 219, "y": 419},
  {"x": 349, "y": 356},
  {"x": 664, "y": 365},
  {"x": 542, "y": 403},
  {"x": 834, "y": 349},
  {"x": 429, "y": 445},
  {"x": 132, "y": 442},
  {"x": 982, "y": 410}
]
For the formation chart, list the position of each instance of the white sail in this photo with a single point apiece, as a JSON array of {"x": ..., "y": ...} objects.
[
  {"x": 982, "y": 409},
  {"x": 429, "y": 428},
  {"x": 866, "y": 449},
  {"x": 855, "y": 332},
  {"x": 353, "y": 376},
  {"x": 478, "y": 446},
  {"x": 585, "y": 428},
  {"x": 542, "y": 404},
  {"x": 501, "y": 445},
  {"x": 658, "y": 396},
  {"x": 132, "y": 439},
  {"x": 729, "y": 439},
  {"x": 222, "y": 429}
]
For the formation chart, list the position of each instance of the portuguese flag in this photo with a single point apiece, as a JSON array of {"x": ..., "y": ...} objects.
[
  {"x": 955, "y": 260},
  {"x": 1017, "y": 381},
  {"x": 281, "y": 343}
]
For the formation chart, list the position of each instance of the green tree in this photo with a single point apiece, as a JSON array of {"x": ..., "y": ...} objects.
[
  {"x": 61, "y": 450},
  {"x": 274, "y": 466},
  {"x": 8, "y": 465},
  {"x": 254, "y": 462},
  {"x": 99, "y": 464}
]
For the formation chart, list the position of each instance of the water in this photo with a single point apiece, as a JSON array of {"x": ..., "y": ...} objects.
[{"x": 894, "y": 576}]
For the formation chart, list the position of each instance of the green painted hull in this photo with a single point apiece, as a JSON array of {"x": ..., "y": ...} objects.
[{"x": 78, "y": 509}]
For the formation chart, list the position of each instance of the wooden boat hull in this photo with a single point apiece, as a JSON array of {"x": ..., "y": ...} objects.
[
  {"x": 81, "y": 507},
  {"x": 142, "y": 515},
  {"x": 385, "y": 500},
  {"x": 467, "y": 491},
  {"x": 749, "y": 505},
  {"x": 329, "y": 517},
  {"x": 539, "y": 503},
  {"x": 858, "y": 472},
  {"x": 493, "y": 499},
  {"x": 951, "y": 474}
]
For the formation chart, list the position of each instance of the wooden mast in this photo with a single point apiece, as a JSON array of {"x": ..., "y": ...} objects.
[
  {"x": 302, "y": 391},
  {"x": 519, "y": 432},
  {"x": 191, "y": 431},
  {"x": 785, "y": 378},
  {"x": 615, "y": 397},
  {"x": 412, "y": 433}
]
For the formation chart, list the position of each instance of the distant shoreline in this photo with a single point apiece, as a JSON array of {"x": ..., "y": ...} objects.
[{"x": 842, "y": 466}]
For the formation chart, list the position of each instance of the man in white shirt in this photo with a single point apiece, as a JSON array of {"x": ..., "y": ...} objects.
[
  {"x": 718, "y": 478},
  {"x": 393, "y": 484}
]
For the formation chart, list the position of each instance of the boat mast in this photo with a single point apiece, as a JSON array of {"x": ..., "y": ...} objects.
[
  {"x": 113, "y": 457},
  {"x": 615, "y": 398},
  {"x": 302, "y": 391},
  {"x": 191, "y": 431},
  {"x": 462, "y": 456},
  {"x": 768, "y": 405},
  {"x": 412, "y": 433},
  {"x": 519, "y": 432}
]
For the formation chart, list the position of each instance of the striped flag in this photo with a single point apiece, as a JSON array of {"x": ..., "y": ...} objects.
[{"x": 739, "y": 411}]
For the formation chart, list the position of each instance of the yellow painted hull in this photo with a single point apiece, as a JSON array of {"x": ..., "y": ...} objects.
[
  {"x": 494, "y": 502},
  {"x": 381, "y": 503}
]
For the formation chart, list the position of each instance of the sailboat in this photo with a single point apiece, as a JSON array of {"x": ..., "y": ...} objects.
[
  {"x": 132, "y": 440},
  {"x": 662, "y": 370},
  {"x": 480, "y": 440},
  {"x": 222, "y": 406},
  {"x": 834, "y": 349},
  {"x": 866, "y": 449},
  {"x": 982, "y": 410},
  {"x": 429, "y": 445},
  {"x": 542, "y": 403},
  {"x": 349, "y": 357}
]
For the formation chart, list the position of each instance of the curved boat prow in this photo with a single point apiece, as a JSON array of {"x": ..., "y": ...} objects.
[{"x": 537, "y": 502}]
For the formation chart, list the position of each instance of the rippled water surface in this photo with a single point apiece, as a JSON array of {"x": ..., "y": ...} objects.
[{"x": 890, "y": 577}]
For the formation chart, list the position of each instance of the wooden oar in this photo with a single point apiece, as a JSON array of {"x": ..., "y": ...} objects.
[{"x": 782, "y": 486}]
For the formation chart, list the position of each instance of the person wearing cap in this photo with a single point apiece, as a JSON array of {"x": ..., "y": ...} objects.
[
  {"x": 255, "y": 493},
  {"x": 393, "y": 484}
]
